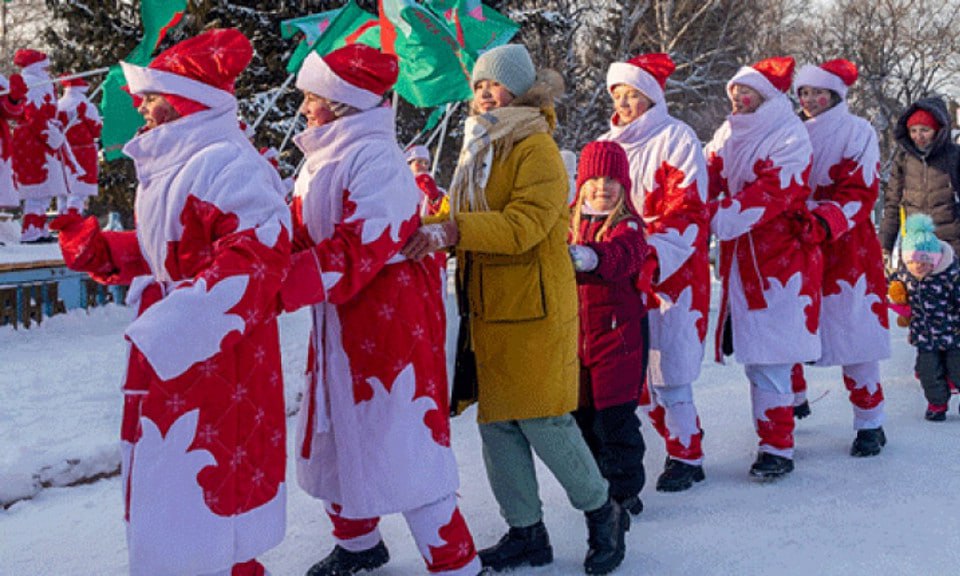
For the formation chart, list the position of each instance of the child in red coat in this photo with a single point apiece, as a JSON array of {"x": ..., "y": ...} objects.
[{"x": 608, "y": 250}]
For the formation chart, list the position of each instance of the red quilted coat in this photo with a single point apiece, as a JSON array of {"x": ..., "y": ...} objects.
[{"x": 611, "y": 310}]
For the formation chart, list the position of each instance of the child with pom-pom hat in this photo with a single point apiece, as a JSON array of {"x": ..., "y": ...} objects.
[{"x": 931, "y": 276}]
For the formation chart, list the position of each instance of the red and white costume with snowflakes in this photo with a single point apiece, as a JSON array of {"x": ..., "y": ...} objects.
[
  {"x": 770, "y": 262},
  {"x": 845, "y": 180},
  {"x": 11, "y": 107},
  {"x": 82, "y": 124},
  {"x": 373, "y": 436},
  {"x": 204, "y": 421},
  {"x": 669, "y": 177},
  {"x": 38, "y": 146}
]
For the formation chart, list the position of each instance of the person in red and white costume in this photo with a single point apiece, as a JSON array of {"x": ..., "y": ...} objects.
[
  {"x": 11, "y": 107},
  {"x": 203, "y": 431},
  {"x": 845, "y": 179},
  {"x": 81, "y": 124},
  {"x": 770, "y": 260},
  {"x": 669, "y": 173},
  {"x": 435, "y": 199},
  {"x": 373, "y": 436},
  {"x": 38, "y": 147}
]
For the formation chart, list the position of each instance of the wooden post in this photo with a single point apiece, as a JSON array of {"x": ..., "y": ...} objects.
[
  {"x": 32, "y": 297},
  {"x": 8, "y": 306},
  {"x": 91, "y": 290},
  {"x": 54, "y": 304}
]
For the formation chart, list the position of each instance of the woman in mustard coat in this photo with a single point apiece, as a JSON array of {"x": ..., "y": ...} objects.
[{"x": 509, "y": 228}]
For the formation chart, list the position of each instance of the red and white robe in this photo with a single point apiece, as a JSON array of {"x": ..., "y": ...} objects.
[
  {"x": 373, "y": 436},
  {"x": 854, "y": 327},
  {"x": 770, "y": 261},
  {"x": 669, "y": 176},
  {"x": 204, "y": 420}
]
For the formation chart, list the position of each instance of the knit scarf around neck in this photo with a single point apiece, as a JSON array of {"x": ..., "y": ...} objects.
[{"x": 486, "y": 137}]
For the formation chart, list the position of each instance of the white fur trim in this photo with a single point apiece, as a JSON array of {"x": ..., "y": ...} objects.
[
  {"x": 751, "y": 77},
  {"x": 817, "y": 77},
  {"x": 316, "y": 76},
  {"x": 626, "y": 73},
  {"x": 143, "y": 80}
]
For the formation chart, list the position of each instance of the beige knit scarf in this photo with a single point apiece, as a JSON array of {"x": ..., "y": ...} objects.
[{"x": 487, "y": 137}]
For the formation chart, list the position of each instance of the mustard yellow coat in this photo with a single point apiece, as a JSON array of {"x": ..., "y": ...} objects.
[{"x": 521, "y": 286}]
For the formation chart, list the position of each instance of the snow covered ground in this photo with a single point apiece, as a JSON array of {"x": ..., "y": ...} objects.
[{"x": 890, "y": 515}]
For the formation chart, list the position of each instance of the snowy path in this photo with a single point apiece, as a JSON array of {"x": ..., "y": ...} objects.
[{"x": 891, "y": 515}]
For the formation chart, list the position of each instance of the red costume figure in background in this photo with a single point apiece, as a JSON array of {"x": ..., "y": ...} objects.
[
  {"x": 82, "y": 124},
  {"x": 38, "y": 143}
]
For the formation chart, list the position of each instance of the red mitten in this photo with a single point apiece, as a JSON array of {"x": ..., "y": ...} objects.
[
  {"x": 303, "y": 285},
  {"x": 428, "y": 185},
  {"x": 83, "y": 246},
  {"x": 18, "y": 88}
]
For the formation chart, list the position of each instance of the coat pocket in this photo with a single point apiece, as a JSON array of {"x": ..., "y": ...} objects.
[{"x": 512, "y": 292}]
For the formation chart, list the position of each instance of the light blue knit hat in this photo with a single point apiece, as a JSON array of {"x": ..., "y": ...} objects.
[
  {"x": 919, "y": 243},
  {"x": 509, "y": 65}
]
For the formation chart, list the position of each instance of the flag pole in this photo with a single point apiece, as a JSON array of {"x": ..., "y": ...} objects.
[
  {"x": 273, "y": 100},
  {"x": 293, "y": 126},
  {"x": 433, "y": 133},
  {"x": 64, "y": 78},
  {"x": 443, "y": 136}
]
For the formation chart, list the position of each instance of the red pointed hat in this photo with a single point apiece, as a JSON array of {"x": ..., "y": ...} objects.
[
  {"x": 836, "y": 75},
  {"x": 770, "y": 77},
  {"x": 198, "y": 73},
  {"x": 647, "y": 73},
  {"x": 215, "y": 57},
  {"x": 74, "y": 83},
  {"x": 356, "y": 75},
  {"x": 27, "y": 57}
]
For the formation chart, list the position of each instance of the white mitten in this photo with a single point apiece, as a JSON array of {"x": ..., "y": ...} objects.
[
  {"x": 438, "y": 235},
  {"x": 54, "y": 134},
  {"x": 584, "y": 258}
]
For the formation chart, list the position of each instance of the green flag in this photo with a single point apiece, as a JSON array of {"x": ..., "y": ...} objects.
[
  {"x": 350, "y": 24},
  {"x": 477, "y": 26},
  {"x": 311, "y": 26},
  {"x": 433, "y": 66},
  {"x": 120, "y": 118}
]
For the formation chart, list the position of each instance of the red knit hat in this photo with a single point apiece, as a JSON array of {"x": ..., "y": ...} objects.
[
  {"x": 356, "y": 75},
  {"x": 27, "y": 56},
  {"x": 197, "y": 73},
  {"x": 770, "y": 77},
  {"x": 923, "y": 117},
  {"x": 647, "y": 73},
  {"x": 604, "y": 158}
]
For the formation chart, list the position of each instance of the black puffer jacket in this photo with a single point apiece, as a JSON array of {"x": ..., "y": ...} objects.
[{"x": 926, "y": 183}]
